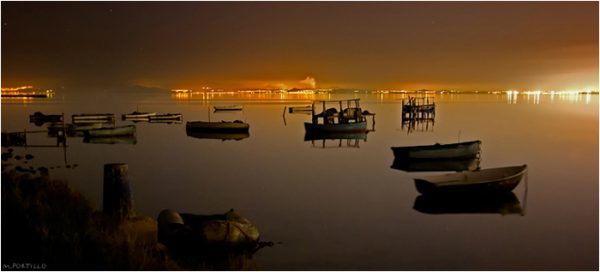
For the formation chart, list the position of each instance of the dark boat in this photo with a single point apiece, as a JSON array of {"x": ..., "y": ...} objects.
[
  {"x": 166, "y": 117},
  {"x": 409, "y": 165},
  {"x": 228, "y": 108},
  {"x": 236, "y": 126},
  {"x": 506, "y": 203},
  {"x": 462, "y": 150},
  {"x": 334, "y": 136},
  {"x": 14, "y": 139},
  {"x": 493, "y": 180},
  {"x": 39, "y": 118},
  {"x": 217, "y": 135}
]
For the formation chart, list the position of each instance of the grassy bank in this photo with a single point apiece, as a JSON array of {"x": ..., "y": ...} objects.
[{"x": 48, "y": 225}]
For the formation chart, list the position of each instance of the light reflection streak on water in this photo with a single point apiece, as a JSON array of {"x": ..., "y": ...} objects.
[{"x": 535, "y": 97}]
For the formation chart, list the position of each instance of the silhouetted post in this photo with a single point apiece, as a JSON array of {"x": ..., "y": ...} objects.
[{"x": 117, "y": 199}]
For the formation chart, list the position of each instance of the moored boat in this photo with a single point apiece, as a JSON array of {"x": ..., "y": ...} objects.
[
  {"x": 493, "y": 180},
  {"x": 136, "y": 115},
  {"x": 112, "y": 131},
  {"x": 462, "y": 150},
  {"x": 93, "y": 118},
  {"x": 348, "y": 119},
  {"x": 228, "y": 108},
  {"x": 217, "y": 135},
  {"x": 166, "y": 116},
  {"x": 72, "y": 130},
  {"x": 223, "y": 126},
  {"x": 300, "y": 109},
  {"x": 39, "y": 118}
]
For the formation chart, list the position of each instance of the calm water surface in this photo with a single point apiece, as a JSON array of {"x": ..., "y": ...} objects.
[{"x": 344, "y": 208}]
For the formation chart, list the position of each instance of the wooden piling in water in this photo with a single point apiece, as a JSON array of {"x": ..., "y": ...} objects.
[{"x": 117, "y": 199}]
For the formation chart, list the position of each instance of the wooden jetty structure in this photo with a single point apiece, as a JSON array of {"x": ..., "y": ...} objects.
[{"x": 418, "y": 107}]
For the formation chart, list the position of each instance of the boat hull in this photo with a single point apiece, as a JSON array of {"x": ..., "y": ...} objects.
[
  {"x": 488, "y": 181},
  {"x": 165, "y": 117},
  {"x": 228, "y": 108},
  {"x": 464, "y": 150},
  {"x": 138, "y": 116},
  {"x": 358, "y": 127},
  {"x": 300, "y": 109},
  {"x": 217, "y": 135},
  {"x": 222, "y": 127}
]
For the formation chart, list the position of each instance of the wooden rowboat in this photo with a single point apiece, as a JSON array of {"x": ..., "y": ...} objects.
[
  {"x": 224, "y": 136},
  {"x": 462, "y": 150},
  {"x": 493, "y": 180},
  {"x": 138, "y": 116},
  {"x": 167, "y": 116},
  {"x": 228, "y": 108},
  {"x": 300, "y": 109}
]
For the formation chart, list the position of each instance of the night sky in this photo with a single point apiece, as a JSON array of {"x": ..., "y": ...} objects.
[{"x": 400, "y": 45}]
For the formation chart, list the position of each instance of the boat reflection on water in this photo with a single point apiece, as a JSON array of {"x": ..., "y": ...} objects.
[
  {"x": 335, "y": 140},
  {"x": 237, "y": 136},
  {"x": 128, "y": 139},
  {"x": 505, "y": 203},
  {"x": 418, "y": 124},
  {"x": 409, "y": 165}
]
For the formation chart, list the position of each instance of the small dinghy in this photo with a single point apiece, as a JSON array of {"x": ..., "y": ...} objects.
[
  {"x": 462, "y": 150},
  {"x": 493, "y": 180}
]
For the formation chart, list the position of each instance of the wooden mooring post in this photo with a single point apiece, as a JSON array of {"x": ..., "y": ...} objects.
[{"x": 117, "y": 199}]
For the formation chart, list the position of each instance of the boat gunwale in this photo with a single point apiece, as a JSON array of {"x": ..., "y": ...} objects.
[
  {"x": 463, "y": 183},
  {"x": 435, "y": 145}
]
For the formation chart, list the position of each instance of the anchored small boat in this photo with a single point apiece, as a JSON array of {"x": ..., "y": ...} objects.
[
  {"x": 228, "y": 108},
  {"x": 112, "y": 131},
  {"x": 348, "y": 119},
  {"x": 462, "y": 150},
  {"x": 493, "y": 180},
  {"x": 39, "y": 118},
  {"x": 217, "y": 135},
  {"x": 93, "y": 118},
  {"x": 72, "y": 130},
  {"x": 223, "y": 126},
  {"x": 300, "y": 109},
  {"x": 138, "y": 116},
  {"x": 166, "y": 116}
]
